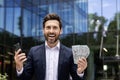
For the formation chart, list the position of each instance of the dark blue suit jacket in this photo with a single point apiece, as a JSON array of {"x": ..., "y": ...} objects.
[{"x": 36, "y": 64}]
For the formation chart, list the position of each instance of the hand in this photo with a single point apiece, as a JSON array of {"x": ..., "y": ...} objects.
[
  {"x": 19, "y": 59},
  {"x": 82, "y": 65}
]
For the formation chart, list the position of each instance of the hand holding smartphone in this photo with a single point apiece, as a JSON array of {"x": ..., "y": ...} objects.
[
  {"x": 17, "y": 46},
  {"x": 20, "y": 61}
]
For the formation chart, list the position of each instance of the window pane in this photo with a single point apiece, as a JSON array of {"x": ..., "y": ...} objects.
[
  {"x": 16, "y": 21},
  {"x": 9, "y": 19},
  {"x": 1, "y": 17},
  {"x": 1, "y": 3},
  {"x": 27, "y": 23}
]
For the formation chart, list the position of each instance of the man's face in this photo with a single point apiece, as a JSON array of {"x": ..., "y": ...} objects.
[{"x": 52, "y": 31}]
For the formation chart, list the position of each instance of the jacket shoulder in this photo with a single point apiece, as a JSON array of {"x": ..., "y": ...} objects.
[
  {"x": 66, "y": 48},
  {"x": 37, "y": 47}
]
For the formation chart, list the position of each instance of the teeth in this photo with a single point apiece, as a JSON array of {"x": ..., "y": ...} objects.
[{"x": 51, "y": 35}]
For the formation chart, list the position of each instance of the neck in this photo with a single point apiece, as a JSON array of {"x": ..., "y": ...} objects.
[{"x": 51, "y": 45}]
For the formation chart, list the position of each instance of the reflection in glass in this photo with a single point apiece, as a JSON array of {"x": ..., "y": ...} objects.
[
  {"x": 1, "y": 17},
  {"x": 16, "y": 21},
  {"x": 9, "y": 20}
]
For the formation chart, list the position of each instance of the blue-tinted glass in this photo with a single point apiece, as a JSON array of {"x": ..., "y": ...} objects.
[
  {"x": 9, "y": 3},
  {"x": 41, "y": 25},
  {"x": 1, "y": 17},
  {"x": 9, "y": 20},
  {"x": 37, "y": 26},
  {"x": 34, "y": 9},
  {"x": 17, "y": 3},
  {"x": 72, "y": 15},
  {"x": 27, "y": 23},
  {"x": 34, "y": 25},
  {"x": 1, "y": 3},
  {"x": 16, "y": 21}
]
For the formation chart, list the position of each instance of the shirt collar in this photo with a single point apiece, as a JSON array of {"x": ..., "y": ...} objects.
[{"x": 57, "y": 46}]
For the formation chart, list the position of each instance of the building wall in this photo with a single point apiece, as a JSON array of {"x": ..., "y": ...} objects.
[{"x": 21, "y": 21}]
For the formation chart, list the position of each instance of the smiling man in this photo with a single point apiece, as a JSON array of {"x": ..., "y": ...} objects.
[{"x": 51, "y": 60}]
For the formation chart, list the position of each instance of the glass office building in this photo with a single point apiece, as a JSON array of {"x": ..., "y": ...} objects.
[
  {"x": 31, "y": 13},
  {"x": 85, "y": 22},
  {"x": 21, "y": 21}
]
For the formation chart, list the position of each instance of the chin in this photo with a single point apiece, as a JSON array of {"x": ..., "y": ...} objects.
[{"x": 52, "y": 42}]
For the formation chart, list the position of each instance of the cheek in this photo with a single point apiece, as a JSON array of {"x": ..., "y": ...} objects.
[
  {"x": 45, "y": 31},
  {"x": 58, "y": 33}
]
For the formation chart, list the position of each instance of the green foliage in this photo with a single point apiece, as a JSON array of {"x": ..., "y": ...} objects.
[
  {"x": 3, "y": 77},
  {"x": 95, "y": 17}
]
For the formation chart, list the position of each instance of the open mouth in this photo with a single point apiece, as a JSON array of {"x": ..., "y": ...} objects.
[{"x": 51, "y": 35}]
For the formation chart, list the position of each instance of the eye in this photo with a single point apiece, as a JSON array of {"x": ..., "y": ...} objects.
[
  {"x": 55, "y": 27},
  {"x": 47, "y": 27}
]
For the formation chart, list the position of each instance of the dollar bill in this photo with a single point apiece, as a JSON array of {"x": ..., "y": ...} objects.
[{"x": 80, "y": 51}]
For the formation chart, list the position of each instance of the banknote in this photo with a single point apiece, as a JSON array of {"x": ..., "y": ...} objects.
[{"x": 80, "y": 51}]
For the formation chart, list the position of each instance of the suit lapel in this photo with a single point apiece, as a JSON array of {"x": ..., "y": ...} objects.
[
  {"x": 43, "y": 59},
  {"x": 61, "y": 59}
]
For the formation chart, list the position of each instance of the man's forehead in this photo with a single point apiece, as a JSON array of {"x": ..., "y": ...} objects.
[{"x": 52, "y": 22}]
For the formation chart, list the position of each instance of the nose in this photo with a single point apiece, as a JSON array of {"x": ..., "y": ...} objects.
[{"x": 51, "y": 30}]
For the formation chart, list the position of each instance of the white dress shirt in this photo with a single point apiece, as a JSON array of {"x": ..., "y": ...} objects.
[{"x": 52, "y": 55}]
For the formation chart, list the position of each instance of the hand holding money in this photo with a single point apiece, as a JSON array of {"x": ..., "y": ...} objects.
[
  {"x": 81, "y": 65},
  {"x": 80, "y": 51}
]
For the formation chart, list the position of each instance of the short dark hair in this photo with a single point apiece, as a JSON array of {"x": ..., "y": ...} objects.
[{"x": 52, "y": 16}]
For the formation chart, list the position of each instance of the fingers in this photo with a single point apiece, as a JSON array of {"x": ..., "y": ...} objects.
[
  {"x": 24, "y": 60},
  {"x": 21, "y": 56},
  {"x": 19, "y": 59},
  {"x": 82, "y": 64},
  {"x": 17, "y": 52}
]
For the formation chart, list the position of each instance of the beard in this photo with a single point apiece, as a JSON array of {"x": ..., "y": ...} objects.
[{"x": 51, "y": 38}]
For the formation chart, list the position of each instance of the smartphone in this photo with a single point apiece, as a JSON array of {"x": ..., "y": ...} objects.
[{"x": 17, "y": 46}]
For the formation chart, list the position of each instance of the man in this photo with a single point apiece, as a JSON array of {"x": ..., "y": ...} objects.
[{"x": 51, "y": 60}]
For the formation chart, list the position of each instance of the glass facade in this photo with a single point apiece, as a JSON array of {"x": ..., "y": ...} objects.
[
  {"x": 95, "y": 23},
  {"x": 104, "y": 23}
]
